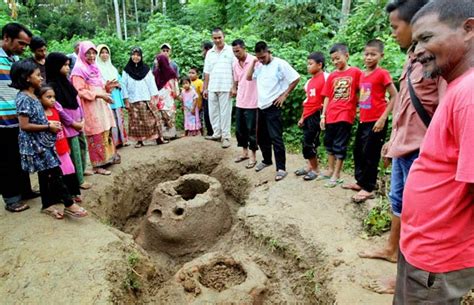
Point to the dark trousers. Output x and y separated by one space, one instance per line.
207 120
367 149
311 132
270 133
14 182
336 139
72 184
246 128
52 188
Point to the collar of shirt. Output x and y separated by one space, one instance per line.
10 58
214 50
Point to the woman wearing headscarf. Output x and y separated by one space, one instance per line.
72 116
110 73
139 89
167 83
98 118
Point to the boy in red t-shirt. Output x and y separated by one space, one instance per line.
339 111
311 116
372 129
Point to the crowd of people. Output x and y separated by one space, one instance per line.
57 109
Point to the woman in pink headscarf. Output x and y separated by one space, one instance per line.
98 118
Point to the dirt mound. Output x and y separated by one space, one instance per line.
222 275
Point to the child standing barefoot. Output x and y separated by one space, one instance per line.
37 139
192 123
52 110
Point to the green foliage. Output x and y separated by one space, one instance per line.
132 278
379 218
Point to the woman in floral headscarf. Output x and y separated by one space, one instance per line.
110 73
98 118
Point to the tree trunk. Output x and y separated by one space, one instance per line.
124 11
117 19
136 17
346 8
163 7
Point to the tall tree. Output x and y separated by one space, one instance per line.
345 10
124 11
117 19
136 17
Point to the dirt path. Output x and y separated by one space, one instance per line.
80 262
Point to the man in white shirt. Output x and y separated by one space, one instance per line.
218 83
275 81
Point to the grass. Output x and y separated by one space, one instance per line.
132 278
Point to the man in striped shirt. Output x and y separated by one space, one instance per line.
14 182
218 81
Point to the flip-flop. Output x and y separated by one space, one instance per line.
280 175
261 166
17 207
332 183
251 164
301 172
310 176
323 177
53 212
362 198
351 186
102 171
240 159
75 214
138 145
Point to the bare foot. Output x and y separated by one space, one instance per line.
382 286
379 254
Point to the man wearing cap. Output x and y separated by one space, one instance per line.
218 81
166 50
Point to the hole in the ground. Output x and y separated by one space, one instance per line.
190 188
178 211
221 276
157 213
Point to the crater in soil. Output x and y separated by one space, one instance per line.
192 243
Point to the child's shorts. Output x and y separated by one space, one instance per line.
337 138
311 132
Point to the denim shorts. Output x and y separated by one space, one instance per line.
400 169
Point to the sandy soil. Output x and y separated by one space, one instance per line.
44 261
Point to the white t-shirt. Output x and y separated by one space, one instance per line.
272 80
219 67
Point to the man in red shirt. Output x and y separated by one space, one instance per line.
436 263
311 116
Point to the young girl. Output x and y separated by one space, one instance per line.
37 139
52 109
189 97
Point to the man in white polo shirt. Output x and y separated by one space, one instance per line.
275 81
218 83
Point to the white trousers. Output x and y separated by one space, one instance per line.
220 113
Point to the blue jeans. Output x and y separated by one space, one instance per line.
400 169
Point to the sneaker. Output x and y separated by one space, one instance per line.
212 138
225 143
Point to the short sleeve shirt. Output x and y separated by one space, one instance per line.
272 80
341 88
437 232
219 67
372 102
313 89
246 90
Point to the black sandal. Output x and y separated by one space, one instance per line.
17 207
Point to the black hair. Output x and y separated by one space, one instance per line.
318 57
218 29
376 43
185 79
20 72
406 8
261 46
339 47
238 42
195 69
207 45
13 29
42 90
37 43
453 13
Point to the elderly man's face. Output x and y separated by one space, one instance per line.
439 47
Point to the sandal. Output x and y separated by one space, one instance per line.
311 175
351 186
85 185
251 164
102 171
261 166
17 207
75 214
301 172
332 183
88 172
138 145
357 198
161 141
323 177
117 160
77 199
280 175
240 159
53 212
